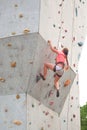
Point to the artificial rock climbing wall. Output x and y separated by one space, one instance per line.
25 27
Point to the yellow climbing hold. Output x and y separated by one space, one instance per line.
13 33
17 122
13 64
17 96
2 79
26 31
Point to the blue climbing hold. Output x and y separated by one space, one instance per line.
76 11
80 44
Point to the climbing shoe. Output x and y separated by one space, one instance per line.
42 76
57 93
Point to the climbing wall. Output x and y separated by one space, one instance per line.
13 112
25 27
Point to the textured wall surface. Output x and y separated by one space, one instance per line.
18 17
25 27
13 112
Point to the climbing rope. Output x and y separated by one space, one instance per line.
60 24
73 2
59 41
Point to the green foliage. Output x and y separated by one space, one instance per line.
83 117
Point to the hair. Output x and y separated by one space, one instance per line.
65 51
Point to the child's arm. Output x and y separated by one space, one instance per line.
52 48
67 67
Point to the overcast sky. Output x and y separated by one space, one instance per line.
83 75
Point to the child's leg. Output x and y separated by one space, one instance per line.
46 67
56 82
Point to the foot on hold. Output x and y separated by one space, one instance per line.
42 76
57 93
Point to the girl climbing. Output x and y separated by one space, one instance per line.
58 67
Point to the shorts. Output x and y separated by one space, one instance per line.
58 70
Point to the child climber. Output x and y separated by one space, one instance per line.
58 67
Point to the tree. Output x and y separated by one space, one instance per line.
83 117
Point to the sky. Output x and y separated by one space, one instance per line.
83 75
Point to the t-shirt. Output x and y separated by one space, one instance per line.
61 57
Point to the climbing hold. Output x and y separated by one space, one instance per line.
13 64
32 105
9 44
54 25
29 123
62 22
43 111
65 30
48 84
55 47
67 82
76 11
6 110
59 27
64 120
70 105
46 113
58 12
63 37
13 33
71 119
62 46
51 103
26 31
17 122
74 115
72 97
74 65
80 44
20 15
77 82
60 5
17 96
2 79
16 5
73 39
31 62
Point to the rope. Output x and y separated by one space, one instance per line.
60 24
71 60
58 43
